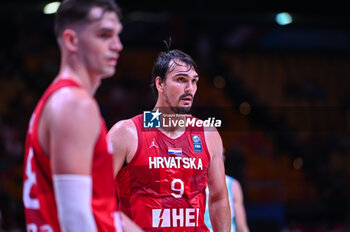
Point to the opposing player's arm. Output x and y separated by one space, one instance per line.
73 123
123 136
219 209
240 215
128 224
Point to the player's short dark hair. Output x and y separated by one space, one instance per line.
74 11
161 65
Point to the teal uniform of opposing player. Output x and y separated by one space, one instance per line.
229 182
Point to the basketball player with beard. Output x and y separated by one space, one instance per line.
162 173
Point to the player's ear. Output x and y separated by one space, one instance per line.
70 40
160 84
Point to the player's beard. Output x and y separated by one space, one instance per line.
179 109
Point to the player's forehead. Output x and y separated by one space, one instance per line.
178 67
101 18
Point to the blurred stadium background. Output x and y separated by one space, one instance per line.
282 92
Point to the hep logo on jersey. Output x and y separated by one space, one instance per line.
187 217
151 119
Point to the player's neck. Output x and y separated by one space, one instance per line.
80 75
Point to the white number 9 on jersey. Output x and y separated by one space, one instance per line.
177 188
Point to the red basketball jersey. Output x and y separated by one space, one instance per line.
163 186
38 193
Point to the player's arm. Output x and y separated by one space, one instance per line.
73 122
240 214
219 209
123 136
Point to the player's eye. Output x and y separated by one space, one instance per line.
105 35
180 79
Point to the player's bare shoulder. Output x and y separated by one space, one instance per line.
212 134
73 109
72 101
68 110
124 129
213 140
123 136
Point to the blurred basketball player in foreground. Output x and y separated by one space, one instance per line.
68 171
